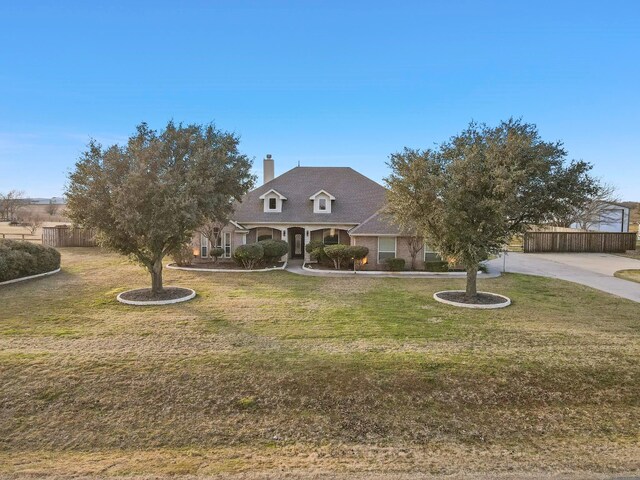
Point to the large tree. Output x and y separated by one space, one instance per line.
597 209
11 203
468 196
146 198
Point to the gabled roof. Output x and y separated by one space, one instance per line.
264 195
313 197
377 224
357 197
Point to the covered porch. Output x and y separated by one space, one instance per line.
298 236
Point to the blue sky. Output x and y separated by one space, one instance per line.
322 83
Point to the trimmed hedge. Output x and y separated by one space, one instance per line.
436 266
216 252
337 253
358 253
273 249
23 259
183 255
395 264
315 248
249 255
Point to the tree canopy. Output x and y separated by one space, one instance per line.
146 198
469 195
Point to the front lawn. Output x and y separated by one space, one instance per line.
271 371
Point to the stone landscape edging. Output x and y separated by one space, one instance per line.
473 305
21 279
173 266
156 302
384 273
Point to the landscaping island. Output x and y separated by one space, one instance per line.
483 300
631 275
145 296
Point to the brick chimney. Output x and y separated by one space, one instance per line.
268 169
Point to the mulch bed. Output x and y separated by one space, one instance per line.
481 299
145 294
317 266
226 265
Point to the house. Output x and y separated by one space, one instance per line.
329 204
604 217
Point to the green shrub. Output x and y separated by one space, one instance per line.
315 248
337 253
436 266
394 264
358 253
183 255
273 249
216 252
22 259
249 255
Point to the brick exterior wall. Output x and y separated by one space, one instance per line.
402 251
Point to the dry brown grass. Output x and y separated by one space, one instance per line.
16 232
632 275
264 374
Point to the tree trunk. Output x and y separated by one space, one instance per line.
471 293
156 277
413 260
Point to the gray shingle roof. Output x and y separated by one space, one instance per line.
357 197
377 224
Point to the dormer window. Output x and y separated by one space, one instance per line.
272 201
322 201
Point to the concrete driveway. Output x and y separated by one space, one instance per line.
592 269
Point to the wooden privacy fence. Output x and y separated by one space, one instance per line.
535 242
68 237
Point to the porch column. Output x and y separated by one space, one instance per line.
307 239
283 236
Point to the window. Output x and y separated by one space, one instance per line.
272 201
227 244
204 244
218 237
298 243
331 236
386 248
264 234
322 201
430 255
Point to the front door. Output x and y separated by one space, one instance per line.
296 242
